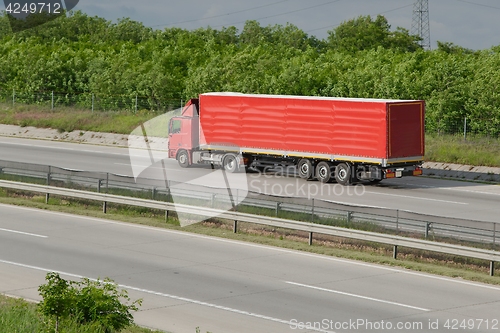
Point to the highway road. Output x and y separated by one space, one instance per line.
225 286
447 198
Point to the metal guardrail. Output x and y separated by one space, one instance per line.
311 228
391 220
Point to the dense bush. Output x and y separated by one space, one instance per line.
95 303
79 54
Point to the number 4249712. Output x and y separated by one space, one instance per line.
33 8
471 324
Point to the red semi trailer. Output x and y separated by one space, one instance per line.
342 139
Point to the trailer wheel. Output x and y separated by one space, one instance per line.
183 159
305 169
230 163
324 172
343 174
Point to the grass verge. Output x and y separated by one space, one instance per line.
20 316
454 149
66 119
417 260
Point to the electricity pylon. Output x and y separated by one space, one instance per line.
420 25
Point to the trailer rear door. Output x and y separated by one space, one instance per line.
406 130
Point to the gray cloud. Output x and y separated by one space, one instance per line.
472 24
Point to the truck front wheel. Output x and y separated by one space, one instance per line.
343 174
230 163
183 159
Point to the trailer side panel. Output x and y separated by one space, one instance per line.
331 126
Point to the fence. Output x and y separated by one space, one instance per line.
400 222
465 127
91 101
459 126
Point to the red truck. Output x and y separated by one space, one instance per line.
330 139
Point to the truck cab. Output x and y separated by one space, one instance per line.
183 134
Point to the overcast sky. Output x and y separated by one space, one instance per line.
473 24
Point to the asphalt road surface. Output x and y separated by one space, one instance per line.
447 198
224 286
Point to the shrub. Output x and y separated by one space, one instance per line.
87 302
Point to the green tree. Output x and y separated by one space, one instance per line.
58 296
483 100
452 48
5 29
364 33
101 302
253 34
129 31
401 40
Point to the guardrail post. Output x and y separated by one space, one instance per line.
494 232
349 217
104 207
397 220
492 268
278 205
153 193
312 210
47 195
168 195
98 186
236 201
428 226
235 226
395 252
166 215
310 238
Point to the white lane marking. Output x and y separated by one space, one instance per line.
356 296
418 198
61 148
224 308
468 191
179 298
23 233
145 166
82 150
455 189
259 246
